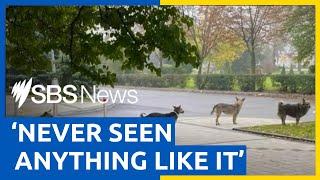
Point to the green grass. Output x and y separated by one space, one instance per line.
303 130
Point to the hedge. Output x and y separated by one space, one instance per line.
145 80
295 83
304 84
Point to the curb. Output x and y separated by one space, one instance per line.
88 110
279 136
257 94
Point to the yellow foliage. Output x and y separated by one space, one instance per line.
227 52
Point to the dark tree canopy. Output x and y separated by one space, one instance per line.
130 35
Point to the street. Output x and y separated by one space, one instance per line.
196 127
200 105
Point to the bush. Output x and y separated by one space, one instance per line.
215 82
190 83
246 83
304 84
295 83
145 80
312 69
283 70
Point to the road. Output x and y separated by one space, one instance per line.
266 156
199 105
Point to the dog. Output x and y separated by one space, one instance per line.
175 113
294 110
229 109
46 114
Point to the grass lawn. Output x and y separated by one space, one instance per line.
303 130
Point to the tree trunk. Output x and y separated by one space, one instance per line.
253 67
199 77
253 61
299 67
274 57
200 68
161 62
208 68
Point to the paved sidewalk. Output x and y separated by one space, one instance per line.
226 121
265 155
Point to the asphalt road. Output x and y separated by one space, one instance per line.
198 105
266 155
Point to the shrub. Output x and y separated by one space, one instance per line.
283 70
282 83
295 83
291 72
190 83
171 69
216 82
312 69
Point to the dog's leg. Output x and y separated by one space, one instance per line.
234 118
218 113
283 119
297 120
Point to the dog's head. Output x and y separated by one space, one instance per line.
239 101
178 109
305 104
47 114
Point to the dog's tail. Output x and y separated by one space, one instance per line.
214 107
143 114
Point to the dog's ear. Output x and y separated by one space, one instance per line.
303 101
174 106
180 106
237 98
243 99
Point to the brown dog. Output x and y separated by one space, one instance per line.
229 109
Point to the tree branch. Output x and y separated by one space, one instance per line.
72 25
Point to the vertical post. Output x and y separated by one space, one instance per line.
15 108
105 100
54 82
104 110
15 104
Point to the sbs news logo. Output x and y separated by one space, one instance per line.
53 94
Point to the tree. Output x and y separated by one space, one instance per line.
207 31
255 25
291 72
301 27
242 64
226 52
125 34
210 36
283 70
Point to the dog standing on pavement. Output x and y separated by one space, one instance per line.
175 113
294 110
229 109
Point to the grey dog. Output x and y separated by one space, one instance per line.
229 109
